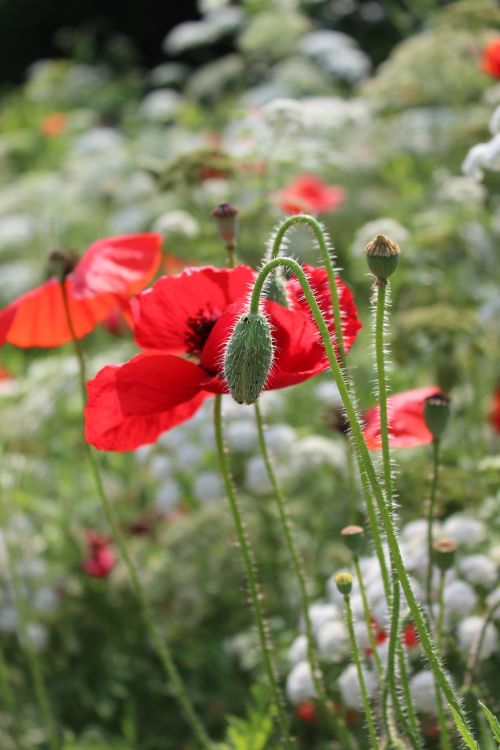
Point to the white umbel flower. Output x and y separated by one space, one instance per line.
298 650
333 641
469 632
299 684
350 690
463 530
167 496
423 692
479 570
459 599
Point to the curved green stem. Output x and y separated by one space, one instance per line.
298 568
430 522
319 234
368 622
176 682
251 575
362 685
365 465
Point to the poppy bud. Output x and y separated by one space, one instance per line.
382 255
344 583
248 357
61 263
353 536
443 553
275 290
226 220
436 413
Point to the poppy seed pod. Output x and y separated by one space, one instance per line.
248 357
443 553
436 413
353 536
382 255
344 583
226 219
275 290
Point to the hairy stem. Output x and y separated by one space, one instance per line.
164 653
430 522
414 727
251 575
368 622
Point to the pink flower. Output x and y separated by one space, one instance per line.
309 194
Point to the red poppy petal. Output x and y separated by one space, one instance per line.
131 404
117 265
177 313
407 428
38 317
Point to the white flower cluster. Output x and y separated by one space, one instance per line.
471 591
485 155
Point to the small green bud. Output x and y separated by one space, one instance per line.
226 219
248 357
436 413
353 536
443 553
382 255
275 290
344 583
61 263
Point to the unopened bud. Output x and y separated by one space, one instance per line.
61 263
443 553
382 255
248 357
344 583
436 413
353 536
275 290
226 219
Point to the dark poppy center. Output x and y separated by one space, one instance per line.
199 327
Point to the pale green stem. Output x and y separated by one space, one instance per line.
177 685
440 617
475 653
432 509
414 728
365 465
362 685
254 588
9 701
298 568
368 622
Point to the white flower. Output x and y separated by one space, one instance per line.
167 496
161 105
423 692
161 466
241 434
208 486
45 599
349 687
479 569
459 599
328 393
9 620
469 632
298 650
495 122
321 613
37 635
315 451
463 530
188 454
482 156
299 684
493 600
256 478
97 141
333 641
16 229
280 439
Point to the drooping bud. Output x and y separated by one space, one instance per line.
226 220
353 536
382 255
61 263
443 553
275 290
344 583
436 413
248 357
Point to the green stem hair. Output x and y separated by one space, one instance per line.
432 509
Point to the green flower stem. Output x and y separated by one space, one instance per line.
475 653
319 234
365 465
35 668
432 508
8 700
176 682
444 735
357 660
368 621
251 575
413 729
440 617
337 722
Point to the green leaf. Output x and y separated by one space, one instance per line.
492 721
464 732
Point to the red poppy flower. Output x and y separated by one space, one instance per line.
410 636
495 412
306 712
407 427
490 61
192 314
308 194
100 559
111 270
53 125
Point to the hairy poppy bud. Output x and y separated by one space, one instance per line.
62 262
436 413
226 219
382 255
344 583
275 290
353 536
248 357
443 553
